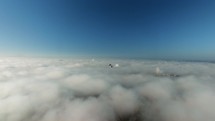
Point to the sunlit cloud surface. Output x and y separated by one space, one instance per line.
47 89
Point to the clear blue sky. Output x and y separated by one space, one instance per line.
162 29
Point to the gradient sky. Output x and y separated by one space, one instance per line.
161 29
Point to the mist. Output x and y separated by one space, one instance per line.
51 89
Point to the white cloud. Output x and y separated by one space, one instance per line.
35 89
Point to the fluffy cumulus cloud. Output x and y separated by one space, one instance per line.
47 89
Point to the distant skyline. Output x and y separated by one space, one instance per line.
155 29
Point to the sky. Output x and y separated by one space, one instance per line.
157 29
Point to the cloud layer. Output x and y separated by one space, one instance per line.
43 89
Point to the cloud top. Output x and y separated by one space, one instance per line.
38 89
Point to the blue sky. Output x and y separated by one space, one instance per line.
159 29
